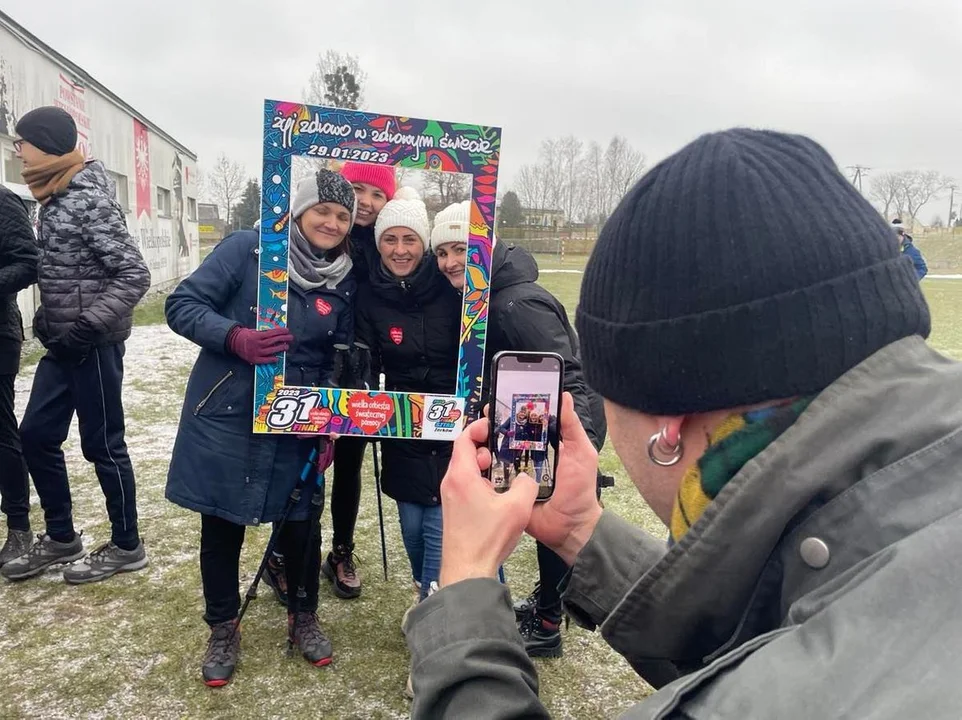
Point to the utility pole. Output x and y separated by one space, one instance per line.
951 204
857 172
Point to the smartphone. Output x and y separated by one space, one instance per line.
524 405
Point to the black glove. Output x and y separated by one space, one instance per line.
40 330
341 371
73 346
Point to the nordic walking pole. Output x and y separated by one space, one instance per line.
377 485
292 500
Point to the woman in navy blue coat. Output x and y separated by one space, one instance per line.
219 468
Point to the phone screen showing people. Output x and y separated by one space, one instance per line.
524 419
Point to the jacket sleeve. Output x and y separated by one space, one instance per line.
18 248
916 255
194 309
531 324
467 657
105 234
345 326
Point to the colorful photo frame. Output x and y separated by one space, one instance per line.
294 129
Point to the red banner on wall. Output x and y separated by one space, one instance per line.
142 166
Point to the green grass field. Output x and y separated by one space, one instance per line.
130 647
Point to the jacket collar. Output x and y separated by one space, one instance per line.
892 404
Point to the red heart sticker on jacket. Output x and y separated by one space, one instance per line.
320 417
370 413
397 335
323 307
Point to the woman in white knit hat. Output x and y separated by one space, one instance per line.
449 241
411 320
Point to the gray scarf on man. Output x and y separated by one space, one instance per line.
308 270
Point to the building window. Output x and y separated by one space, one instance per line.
191 209
12 167
163 202
123 195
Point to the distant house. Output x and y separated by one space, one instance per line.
543 218
209 223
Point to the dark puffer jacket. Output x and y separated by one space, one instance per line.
18 269
523 316
219 467
412 326
91 270
364 252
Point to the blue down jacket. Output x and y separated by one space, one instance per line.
219 467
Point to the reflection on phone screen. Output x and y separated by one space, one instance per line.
526 422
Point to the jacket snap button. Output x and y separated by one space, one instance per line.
814 553
229 407
434 452
330 332
256 520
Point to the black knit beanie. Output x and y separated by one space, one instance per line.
50 129
744 268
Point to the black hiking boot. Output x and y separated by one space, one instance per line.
105 562
275 577
223 649
340 569
526 606
43 554
17 544
304 632
542 638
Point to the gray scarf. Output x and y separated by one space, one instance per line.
311 272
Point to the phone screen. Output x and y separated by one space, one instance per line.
524 419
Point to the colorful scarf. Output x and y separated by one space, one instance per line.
738 439
52 176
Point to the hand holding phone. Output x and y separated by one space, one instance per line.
524 432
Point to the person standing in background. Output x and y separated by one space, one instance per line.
18 270
91 275
907 245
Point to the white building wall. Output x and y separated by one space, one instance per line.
32 75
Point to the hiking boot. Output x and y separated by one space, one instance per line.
104 562
275 577
414 604
43 554
304 632
340 569
17 544
542 638
223 649
527 606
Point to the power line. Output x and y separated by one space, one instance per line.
858 172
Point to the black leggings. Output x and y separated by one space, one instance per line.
220 547
346 489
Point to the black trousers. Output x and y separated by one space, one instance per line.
14 485
92 389
346 489
220 548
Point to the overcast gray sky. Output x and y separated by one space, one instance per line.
876 81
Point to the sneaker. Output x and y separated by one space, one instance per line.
104 562
17 544
43 554
542 638
414 604
409 689
527 606
223 650
275 577
304 632
340 569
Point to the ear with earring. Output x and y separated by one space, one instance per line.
664 453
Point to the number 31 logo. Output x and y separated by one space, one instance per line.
443 411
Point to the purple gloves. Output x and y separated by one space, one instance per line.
258 347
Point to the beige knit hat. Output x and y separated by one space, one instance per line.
452 225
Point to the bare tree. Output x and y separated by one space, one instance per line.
623 166
570 186
337 81
444 188
884 190
595 181
224 184
917 187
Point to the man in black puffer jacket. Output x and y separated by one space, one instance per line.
91 276
18 269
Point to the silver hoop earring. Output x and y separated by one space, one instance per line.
661 453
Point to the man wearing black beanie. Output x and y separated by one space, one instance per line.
91 275
771 394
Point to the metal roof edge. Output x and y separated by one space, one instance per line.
79 73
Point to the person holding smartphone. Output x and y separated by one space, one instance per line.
411 320
221 470
523 316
